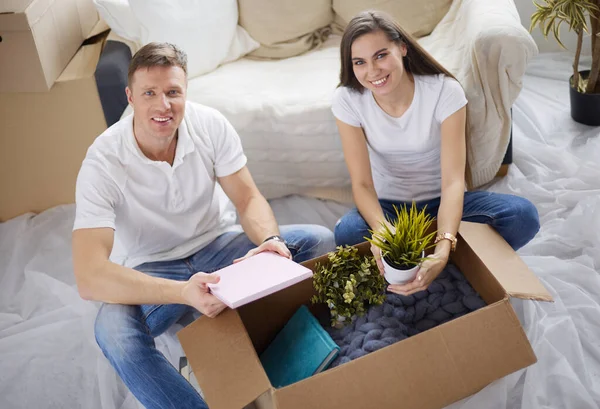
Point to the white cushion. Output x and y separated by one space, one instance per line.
117 14
205 29
419 18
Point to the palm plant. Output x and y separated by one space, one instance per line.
404 239
575 13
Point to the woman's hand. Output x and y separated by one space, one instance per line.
432 267
269 245
377 256
376 251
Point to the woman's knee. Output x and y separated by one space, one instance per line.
527 221
351 229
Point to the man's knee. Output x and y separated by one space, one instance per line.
350 229
114 333
325 240
310 241
319 241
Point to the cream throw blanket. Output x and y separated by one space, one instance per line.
483 43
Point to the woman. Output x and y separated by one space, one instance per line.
402 119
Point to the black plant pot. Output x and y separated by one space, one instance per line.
585 108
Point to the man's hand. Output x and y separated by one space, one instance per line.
269 245
432 266
197 294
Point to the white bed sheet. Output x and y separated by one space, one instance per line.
49 359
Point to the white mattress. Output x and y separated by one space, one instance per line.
49 359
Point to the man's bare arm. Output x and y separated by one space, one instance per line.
99 279
256 216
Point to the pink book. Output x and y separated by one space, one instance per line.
256 277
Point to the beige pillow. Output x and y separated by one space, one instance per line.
418 17
285 28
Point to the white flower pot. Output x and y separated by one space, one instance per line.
396 276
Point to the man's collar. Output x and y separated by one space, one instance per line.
184 146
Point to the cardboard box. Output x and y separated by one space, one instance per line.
39 38
429 370
44 136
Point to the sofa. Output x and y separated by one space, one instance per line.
275 82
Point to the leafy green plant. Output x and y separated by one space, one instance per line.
402 240
347 283
575 13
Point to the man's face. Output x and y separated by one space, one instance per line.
157 95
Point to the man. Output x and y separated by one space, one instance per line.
159 186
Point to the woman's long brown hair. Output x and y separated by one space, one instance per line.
417 61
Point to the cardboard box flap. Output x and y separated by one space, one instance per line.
23 14
13 22
503 262
98 28
83 64
224 361
14 6
19 15
88 16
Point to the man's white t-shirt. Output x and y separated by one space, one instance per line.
405 151
158 211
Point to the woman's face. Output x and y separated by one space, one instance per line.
377 62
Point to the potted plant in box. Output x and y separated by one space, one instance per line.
347 283
584 85
403 243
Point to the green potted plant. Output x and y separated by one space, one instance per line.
584 85
403 242
347 283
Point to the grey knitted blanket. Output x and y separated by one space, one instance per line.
448 297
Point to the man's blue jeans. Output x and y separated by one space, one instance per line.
514 218
126 333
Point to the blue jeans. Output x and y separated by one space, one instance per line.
125 333
514 218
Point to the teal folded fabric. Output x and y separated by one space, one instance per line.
301 349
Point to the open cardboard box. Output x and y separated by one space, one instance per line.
430 370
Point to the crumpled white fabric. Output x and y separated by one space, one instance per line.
49 358
484 44
557 168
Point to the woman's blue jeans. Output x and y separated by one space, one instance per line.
126 333
514 218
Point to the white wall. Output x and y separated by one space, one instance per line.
526 8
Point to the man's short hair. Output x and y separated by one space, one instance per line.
157 55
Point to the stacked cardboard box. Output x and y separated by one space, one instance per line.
50 110
427 371
39 38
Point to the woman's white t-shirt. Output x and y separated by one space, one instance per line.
405 151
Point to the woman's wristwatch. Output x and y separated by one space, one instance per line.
276 237
447 236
